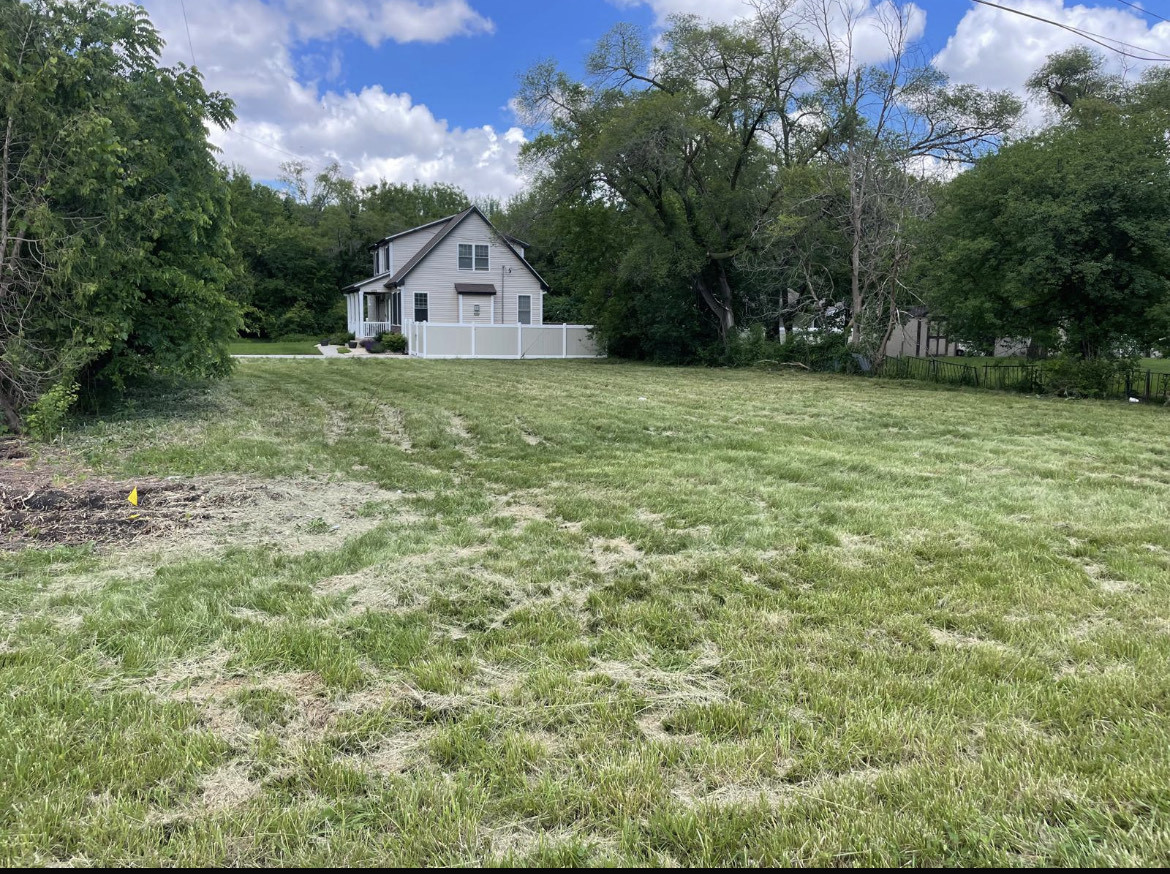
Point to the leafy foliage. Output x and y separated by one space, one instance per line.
116 257
1063 237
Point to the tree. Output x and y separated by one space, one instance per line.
1063 237
889 121
114 255
687 137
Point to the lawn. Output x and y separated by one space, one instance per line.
588 612
246 346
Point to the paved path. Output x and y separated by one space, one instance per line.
329 352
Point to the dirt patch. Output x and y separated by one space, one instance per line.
609 554
38 509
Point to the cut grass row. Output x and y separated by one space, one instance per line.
621 614
246 346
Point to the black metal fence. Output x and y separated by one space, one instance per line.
1144 385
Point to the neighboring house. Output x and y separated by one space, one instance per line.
920 336
453 286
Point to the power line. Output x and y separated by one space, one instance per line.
1143 11
235 130
1098 38
190 45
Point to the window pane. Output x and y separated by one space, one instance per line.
481 257
420 306
464 256
524 309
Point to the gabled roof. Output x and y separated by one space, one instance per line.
356 285
444 227
435 223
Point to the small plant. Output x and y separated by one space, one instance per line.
375 348
342 350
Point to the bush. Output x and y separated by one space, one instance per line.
1073 377
376 348
297 320
751 348
46 417
394 342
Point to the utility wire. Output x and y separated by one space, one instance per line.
1100 39
186 24
1142 10
234 130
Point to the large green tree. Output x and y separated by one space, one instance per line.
115 259
688 136
1064 237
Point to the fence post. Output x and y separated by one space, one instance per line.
473 339
564 339
519 341
424 324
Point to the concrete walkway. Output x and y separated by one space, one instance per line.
331 352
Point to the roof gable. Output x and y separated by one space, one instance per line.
443 230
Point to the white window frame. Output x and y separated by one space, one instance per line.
487 256
414 310
459 256
519 298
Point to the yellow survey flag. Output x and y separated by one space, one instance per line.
133 497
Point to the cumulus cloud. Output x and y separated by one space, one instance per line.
287 109
997 49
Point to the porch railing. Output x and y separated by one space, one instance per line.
375 329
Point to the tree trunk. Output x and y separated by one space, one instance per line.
11 417
855 282
719 304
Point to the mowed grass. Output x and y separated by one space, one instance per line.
620 614
246 346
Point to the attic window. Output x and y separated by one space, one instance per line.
481 257
465 256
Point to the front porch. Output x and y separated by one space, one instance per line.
369 314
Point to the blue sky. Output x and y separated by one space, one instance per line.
419 89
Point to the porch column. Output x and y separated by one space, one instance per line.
361 332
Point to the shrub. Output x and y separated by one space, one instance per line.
46 417
298 319
1073 377
375 348
394 342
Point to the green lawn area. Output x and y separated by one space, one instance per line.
246 346
593 612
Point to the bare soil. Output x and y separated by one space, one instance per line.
44 507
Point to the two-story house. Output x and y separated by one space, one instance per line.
457 270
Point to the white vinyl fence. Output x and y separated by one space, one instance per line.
447 340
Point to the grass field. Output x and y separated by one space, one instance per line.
245 346
584 613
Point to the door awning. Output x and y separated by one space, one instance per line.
474 288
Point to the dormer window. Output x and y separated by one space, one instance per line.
473 257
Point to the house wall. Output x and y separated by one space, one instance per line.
439 271
918 337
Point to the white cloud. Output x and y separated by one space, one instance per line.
248 49
997 49
376 21
869 18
